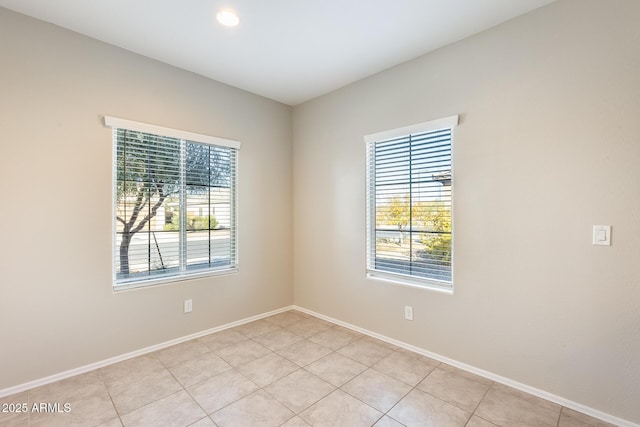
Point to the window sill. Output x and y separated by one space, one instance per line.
141 284
412 282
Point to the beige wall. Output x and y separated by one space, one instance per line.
548 146
57 309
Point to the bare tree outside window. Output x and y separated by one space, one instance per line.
163 175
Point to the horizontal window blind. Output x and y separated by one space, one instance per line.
409 206
175 213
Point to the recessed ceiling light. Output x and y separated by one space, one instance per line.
227 18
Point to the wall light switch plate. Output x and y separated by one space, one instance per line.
602 235
408 312
188 306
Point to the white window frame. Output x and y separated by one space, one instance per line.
183 136
402 279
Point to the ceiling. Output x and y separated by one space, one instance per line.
287 50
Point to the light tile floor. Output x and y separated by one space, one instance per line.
289 370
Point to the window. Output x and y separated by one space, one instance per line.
409 188
174 204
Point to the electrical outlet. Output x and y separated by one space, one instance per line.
188 305
408 312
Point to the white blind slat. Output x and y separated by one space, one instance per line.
409 199
174 206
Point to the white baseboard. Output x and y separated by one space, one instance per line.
92 366
486 374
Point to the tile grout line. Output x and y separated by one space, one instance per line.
407 393
184 388
278 327
497 379
233 368
414 387
356 337
297 414
371 367
560 416
104 384
479 403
